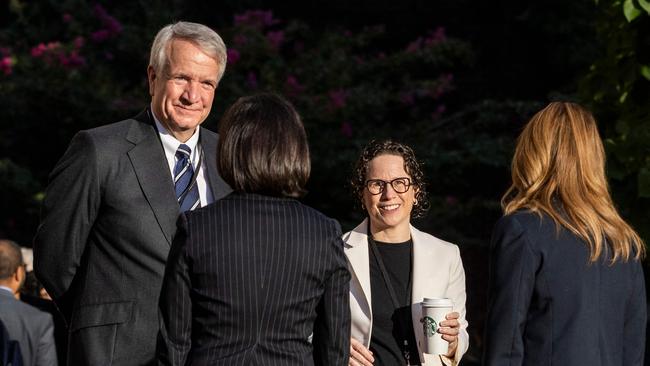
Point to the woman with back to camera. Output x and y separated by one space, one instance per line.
394 265
257 278
566 283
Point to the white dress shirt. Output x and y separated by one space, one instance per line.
170 145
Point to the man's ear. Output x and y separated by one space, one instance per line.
151 77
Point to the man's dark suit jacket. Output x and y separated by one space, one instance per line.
108 220
549 306
32 328
256 280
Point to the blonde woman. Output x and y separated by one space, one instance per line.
566 283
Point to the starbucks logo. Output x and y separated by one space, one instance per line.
429 326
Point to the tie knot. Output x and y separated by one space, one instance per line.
183 151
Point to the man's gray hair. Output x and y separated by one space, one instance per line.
10 258
207 39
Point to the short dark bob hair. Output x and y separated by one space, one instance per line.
263 147
411 165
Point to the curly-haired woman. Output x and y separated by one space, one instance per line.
394 265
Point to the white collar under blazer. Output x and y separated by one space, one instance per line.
437 272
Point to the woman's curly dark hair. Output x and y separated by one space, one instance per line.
412 166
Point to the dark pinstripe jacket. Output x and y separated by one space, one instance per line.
255 280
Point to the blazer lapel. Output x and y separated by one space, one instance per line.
423 266
422 262
151 169
356 249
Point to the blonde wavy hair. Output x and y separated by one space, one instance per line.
559 169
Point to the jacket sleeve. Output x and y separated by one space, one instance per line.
175 305
511 282
456 292
72 201
634 328
331 339
46 352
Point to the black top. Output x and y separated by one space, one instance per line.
391 327
549 306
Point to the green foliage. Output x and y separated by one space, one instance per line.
617 88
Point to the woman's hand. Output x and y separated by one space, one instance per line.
359 354
449 329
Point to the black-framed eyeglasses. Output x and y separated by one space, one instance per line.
377 186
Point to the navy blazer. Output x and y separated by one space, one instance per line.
549 306
255 280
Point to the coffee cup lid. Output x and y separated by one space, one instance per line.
437 302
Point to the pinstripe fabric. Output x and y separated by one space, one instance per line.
249 281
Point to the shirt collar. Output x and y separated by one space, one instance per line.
169 141
7 289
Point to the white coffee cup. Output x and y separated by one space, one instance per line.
434 311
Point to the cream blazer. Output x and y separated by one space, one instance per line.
437 272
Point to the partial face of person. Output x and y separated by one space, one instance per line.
389 209
182 94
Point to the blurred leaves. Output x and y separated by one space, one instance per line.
617 88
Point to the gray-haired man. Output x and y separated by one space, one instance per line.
110 209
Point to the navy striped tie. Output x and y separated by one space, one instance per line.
188 197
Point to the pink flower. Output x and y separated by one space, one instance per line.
67 18
100 35
346 129
112 26
100 11
233 56
240 40
71 61
6 65
436 37
414 46
257 19
293 85
338 98
251 80
275 39
38 50
79 42
51 46
438 112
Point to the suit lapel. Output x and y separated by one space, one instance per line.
356 249
151 169
422 263
423 266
